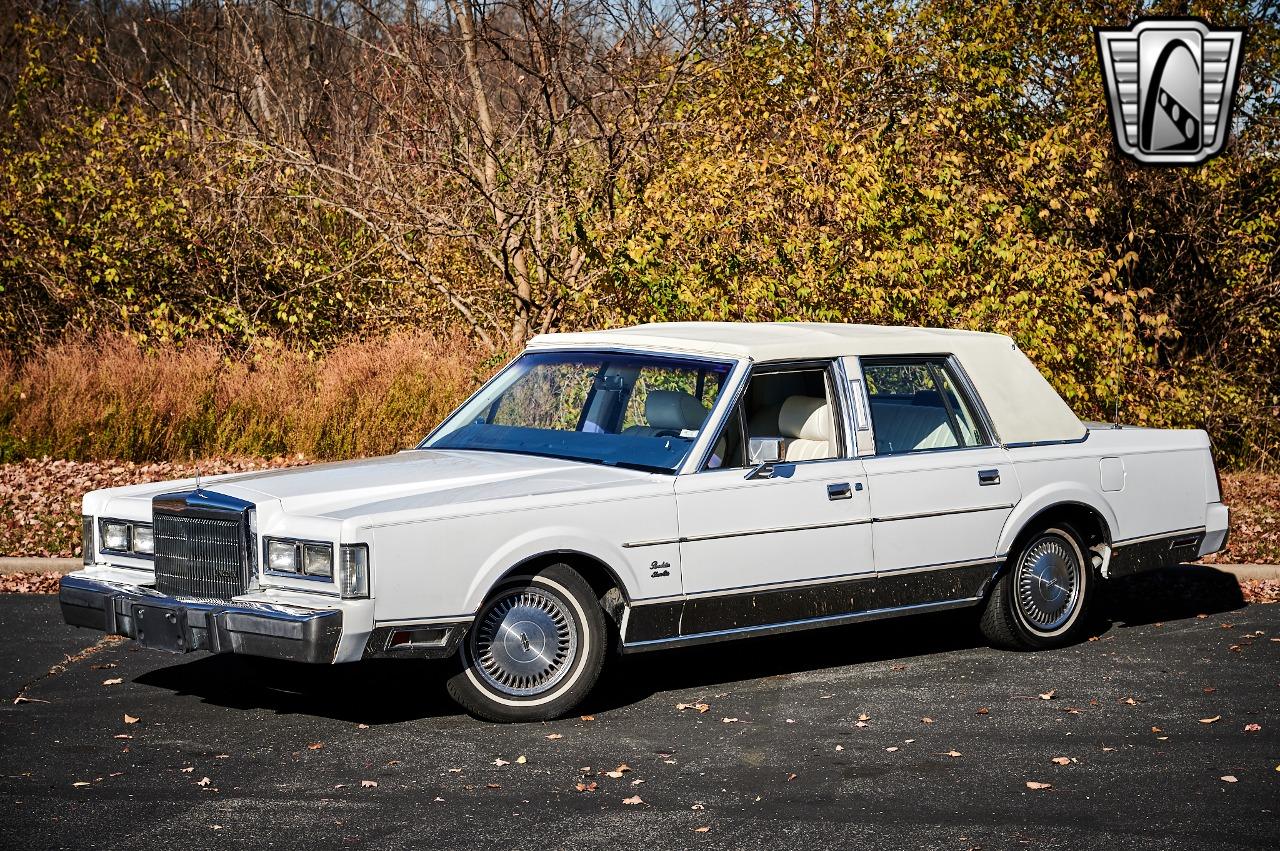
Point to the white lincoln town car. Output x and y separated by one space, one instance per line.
661 486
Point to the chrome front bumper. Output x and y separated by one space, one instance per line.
180 625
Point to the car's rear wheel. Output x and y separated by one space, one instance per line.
534 650
1041 599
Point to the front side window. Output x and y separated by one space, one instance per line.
637 411
916 406
791 409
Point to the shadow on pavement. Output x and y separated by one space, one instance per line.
389 691
1180 591
377 691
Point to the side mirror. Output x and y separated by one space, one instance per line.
765 455
764 450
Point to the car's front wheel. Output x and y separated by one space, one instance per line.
1041 598
535 649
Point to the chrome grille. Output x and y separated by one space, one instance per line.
201 556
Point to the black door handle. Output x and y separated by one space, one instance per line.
988 477
840 491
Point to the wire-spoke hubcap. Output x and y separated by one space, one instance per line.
1048 583
524 642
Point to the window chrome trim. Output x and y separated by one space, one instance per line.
1026 444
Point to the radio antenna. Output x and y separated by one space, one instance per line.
1115 420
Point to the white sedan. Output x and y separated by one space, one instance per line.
662 486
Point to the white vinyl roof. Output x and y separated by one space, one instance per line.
1022 404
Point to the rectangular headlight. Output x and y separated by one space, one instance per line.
115 536
317 560
282 556
355 571
143 541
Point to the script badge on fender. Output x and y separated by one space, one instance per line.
1170 84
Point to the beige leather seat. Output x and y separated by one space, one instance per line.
669 411
902 428
806 423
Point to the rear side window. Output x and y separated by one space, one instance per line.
917 405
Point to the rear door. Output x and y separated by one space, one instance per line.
940 486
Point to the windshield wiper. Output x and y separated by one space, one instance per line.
629 465
636 465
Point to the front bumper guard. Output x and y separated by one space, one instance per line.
180 625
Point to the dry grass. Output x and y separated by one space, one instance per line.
109 399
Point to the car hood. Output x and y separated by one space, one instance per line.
419 480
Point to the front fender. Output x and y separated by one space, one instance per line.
543 541
1049 496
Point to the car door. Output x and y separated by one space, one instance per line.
940 486
763 544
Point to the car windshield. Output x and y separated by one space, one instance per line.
626 410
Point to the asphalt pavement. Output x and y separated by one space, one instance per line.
906 733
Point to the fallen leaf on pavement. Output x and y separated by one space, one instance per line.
891 749
1228 778
864 717
618 772
1252 728
1130 701
952 754
501 761
927 720
1048 695
1032 784
368 784
129 719
1062 760
1208 689
315 746
588 717
633 800
80 783
114 681
122 736
701 707
982 710
521 760
203 781
587 787
729 720
188 769
701 829
791 776
554 736
1210 720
